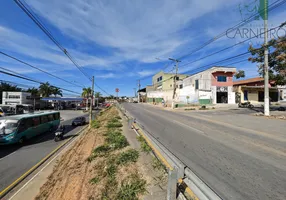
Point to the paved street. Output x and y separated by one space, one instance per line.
16 160
238 155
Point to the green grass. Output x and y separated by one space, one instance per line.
111 170
128 156
144 146
95 124
99 151
114 124
131 188
94 180
116 140
157 164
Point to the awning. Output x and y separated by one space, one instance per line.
62 99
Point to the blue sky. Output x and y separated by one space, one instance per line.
118 41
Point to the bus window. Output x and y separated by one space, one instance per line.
25 124
51 117
36 121
44 119
56 116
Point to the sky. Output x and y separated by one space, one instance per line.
122 41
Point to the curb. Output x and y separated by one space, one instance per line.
32 169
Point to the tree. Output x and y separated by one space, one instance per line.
86 93
45 89
187 97
5 87
277 59
57 91
97 95
239 74
34 91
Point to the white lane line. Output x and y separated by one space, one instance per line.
41 170
8 155
188 126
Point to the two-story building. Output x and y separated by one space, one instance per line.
163 87
212 86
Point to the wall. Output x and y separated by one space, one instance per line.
229 79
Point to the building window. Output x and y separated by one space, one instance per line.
197 84
181 86
221 78
159 79
14 97
245 95
177 78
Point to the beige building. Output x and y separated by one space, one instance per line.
163 87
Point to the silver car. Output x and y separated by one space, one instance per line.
79 121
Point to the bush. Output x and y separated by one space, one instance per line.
130 155
131 188
144 146
113 124
94 180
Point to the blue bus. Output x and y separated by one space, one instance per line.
20 128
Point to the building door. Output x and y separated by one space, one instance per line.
222 95
260 96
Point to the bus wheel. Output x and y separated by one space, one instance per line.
22 140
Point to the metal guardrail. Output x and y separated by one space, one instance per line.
178 172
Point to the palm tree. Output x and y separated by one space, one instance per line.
45 89
57 91
86 93
34 93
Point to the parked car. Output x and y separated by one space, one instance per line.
79 121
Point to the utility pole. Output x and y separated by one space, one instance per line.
91 102
266 74
175 81
135 92
139 91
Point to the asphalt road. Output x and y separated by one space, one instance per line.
238 156
16 160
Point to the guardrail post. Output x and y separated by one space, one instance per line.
172 184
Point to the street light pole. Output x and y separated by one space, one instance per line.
175 81
266 74
139 91
91 102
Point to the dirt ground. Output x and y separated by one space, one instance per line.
75 177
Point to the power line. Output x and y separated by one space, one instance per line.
35 81
209 55
14 58
251 18
44 29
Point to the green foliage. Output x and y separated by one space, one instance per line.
95 124
277 57
99 151
128 156
157 164
94 180
131 188
239 74
144 146
113 124
111 170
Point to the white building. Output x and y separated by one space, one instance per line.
13 98
211 86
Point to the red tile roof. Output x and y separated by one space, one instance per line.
251 80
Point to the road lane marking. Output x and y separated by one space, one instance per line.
23 176
8 155
188 126
41 170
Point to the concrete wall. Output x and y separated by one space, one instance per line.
229 80
6 98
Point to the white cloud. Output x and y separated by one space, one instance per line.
104 76
141 30
146 73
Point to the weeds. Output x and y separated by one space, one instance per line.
114 124
156 163
116 140
111 170
144 146
99 151
128 156
94 180
131 188
95 124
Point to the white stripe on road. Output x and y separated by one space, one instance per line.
188 126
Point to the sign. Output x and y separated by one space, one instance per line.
221 89
116 90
